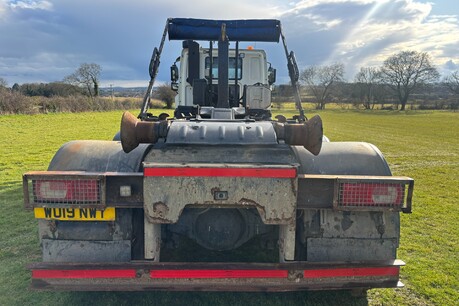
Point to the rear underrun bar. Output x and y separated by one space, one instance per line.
140 276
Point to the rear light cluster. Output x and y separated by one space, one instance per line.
371 194
66 191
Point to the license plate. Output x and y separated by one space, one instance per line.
75 214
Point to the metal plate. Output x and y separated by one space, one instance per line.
72 251
75 214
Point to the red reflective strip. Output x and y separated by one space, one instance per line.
83 273
344 272
218 274
222 172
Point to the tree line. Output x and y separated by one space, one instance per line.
77 92
401 76
84 81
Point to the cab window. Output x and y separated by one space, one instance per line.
231 68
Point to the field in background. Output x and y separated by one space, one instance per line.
16 103
422 145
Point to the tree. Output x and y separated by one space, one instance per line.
87 75
3 83
283 92
407 71
48 89
165 93
320 81
452 82
366 81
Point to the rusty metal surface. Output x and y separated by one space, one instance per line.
295 279
148 265
133 132
86 251
249 285
308 134
261 155
94 241
359 224
338 249
274 198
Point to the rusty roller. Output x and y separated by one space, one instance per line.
133 131
308 134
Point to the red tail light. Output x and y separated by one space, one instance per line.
371 194
66 191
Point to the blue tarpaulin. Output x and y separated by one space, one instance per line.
267 30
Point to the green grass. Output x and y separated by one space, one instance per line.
422 145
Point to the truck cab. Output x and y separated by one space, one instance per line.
197 80
249 85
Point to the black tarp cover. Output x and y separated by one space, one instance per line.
267 30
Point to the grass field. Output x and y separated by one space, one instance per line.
422 145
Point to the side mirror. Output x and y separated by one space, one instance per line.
174 86
271 75
174 73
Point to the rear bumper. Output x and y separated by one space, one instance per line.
148 276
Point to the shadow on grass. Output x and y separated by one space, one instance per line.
216 298
11 205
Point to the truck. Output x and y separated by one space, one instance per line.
220 196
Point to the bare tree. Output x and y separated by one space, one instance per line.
87 75
320 81
366 81
452 82
406 71
165 93
3 83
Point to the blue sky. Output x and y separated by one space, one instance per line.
43 41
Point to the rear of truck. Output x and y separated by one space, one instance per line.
220 197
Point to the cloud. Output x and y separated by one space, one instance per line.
44 41
32 5
451 65
119 36
370 31
3 8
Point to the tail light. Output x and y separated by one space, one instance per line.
68 191
371 194
374 193
64 189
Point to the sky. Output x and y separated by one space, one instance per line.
46 40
